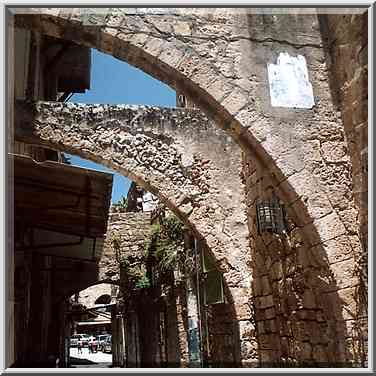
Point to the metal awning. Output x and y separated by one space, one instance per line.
81 323
60 197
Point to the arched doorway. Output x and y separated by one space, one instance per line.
91 321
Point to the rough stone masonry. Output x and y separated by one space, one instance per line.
218 58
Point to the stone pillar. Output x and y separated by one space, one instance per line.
10 356
176 333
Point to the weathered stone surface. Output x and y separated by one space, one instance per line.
218 58
348 38
132 230
89 296
226 57
149 144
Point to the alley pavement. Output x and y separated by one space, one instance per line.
85 359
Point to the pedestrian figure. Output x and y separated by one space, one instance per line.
79 347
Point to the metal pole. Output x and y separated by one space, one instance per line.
197 266
123 323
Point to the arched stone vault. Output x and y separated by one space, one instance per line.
178 154
218 58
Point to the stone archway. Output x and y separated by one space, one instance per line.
165 151
218 58
292 147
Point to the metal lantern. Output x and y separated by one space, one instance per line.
270 216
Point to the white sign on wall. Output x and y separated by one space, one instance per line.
289 83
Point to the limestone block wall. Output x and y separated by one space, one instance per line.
218 58
305 293
133 230
346 38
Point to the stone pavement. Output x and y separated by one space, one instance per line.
89 360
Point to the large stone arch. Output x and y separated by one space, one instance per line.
218 58
177 154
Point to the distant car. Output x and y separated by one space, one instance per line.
107 346
83 338
101 339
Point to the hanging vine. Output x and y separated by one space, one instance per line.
166 243
134 274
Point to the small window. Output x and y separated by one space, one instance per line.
212 280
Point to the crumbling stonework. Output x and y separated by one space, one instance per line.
218 59
303 281
137 141
89 296
133 230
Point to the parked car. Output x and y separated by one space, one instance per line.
101 339
84 338
107 346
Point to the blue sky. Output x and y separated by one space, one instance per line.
114 81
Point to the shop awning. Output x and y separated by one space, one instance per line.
59 197
82 323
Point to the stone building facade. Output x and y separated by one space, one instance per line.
213 165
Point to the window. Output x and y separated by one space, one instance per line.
212 280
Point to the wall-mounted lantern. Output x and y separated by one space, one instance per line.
271 216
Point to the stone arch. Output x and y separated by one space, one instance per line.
178 167
95 292
84 285
163 150
277 139
194 51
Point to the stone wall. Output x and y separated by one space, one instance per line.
305 307
346 38
133 230
218 58
89 296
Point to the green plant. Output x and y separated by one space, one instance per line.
143 282
122 204
115 243
134 274
166 243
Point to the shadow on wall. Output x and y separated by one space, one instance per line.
224 343
301 302
345 38
306 296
